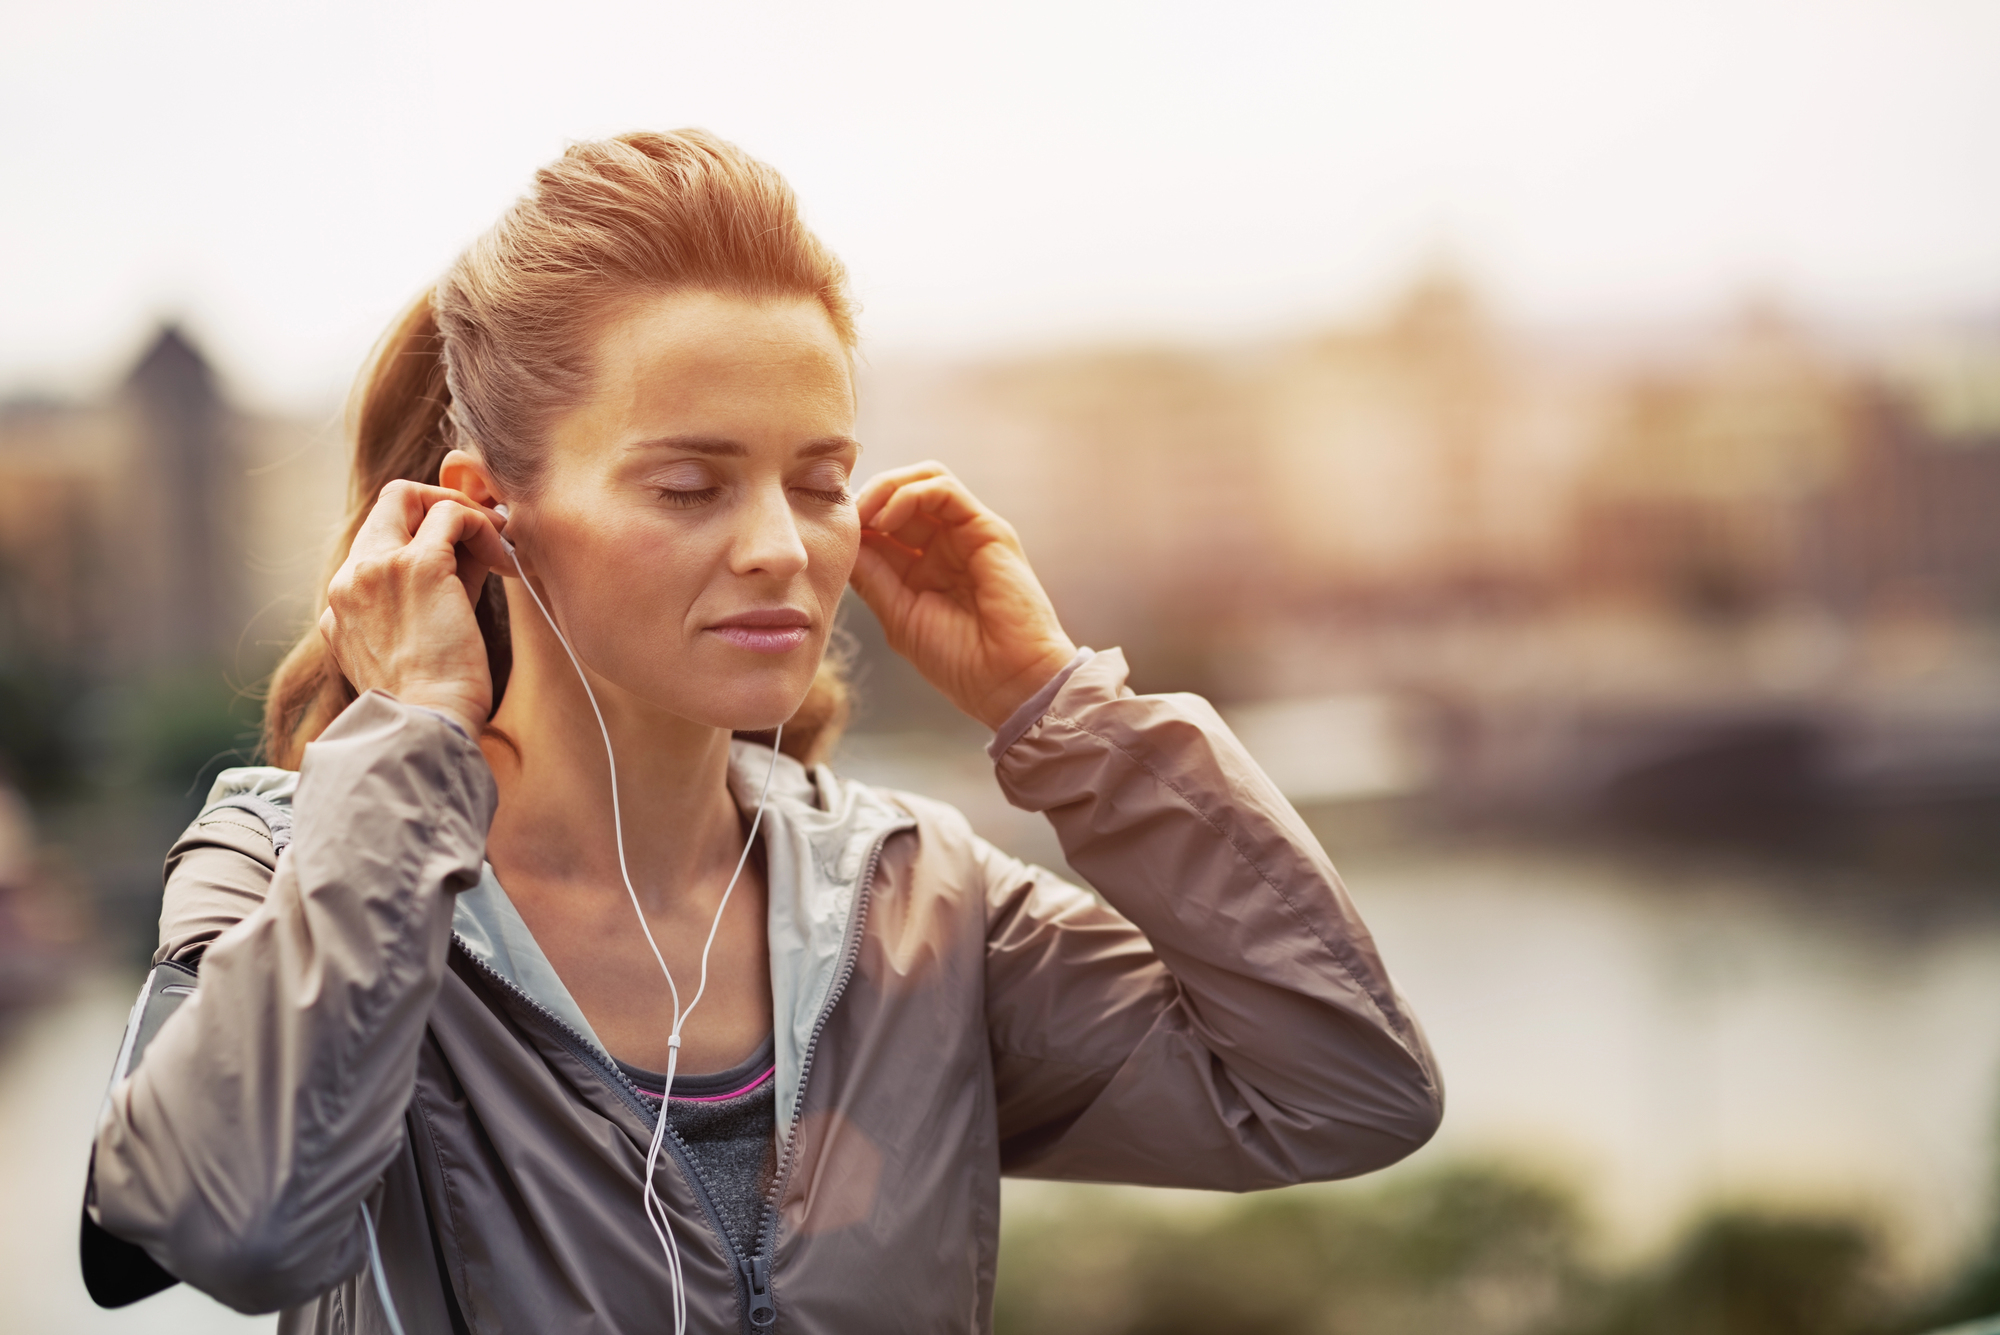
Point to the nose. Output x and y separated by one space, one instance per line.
767 540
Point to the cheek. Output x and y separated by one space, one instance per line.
629 588
832 547
663 568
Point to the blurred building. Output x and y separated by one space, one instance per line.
1771 473
1132 475
1172 498
149 529
1426 455
1749 575
1429 459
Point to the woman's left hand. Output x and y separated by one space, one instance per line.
953 590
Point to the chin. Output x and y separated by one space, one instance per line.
748 706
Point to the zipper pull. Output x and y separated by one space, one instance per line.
757 1275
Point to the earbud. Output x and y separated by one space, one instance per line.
501 510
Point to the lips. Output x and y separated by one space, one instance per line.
774 630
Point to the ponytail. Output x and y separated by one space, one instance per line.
399 413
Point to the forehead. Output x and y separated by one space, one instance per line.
708 363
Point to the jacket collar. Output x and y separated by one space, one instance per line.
820 833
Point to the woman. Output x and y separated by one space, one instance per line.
622 427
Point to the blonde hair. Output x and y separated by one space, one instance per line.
501 346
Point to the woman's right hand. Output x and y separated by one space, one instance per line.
399 615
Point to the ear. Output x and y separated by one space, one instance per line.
465 472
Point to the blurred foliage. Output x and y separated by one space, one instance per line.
39 747
67 733
1741 1273
1976 1295
1466 1251
1976 1291
178 729
1463 1251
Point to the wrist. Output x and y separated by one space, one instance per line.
456 710
1001 702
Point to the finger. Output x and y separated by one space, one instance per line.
463 540
880 487
876 578
431 497
472 573
875 489
899 555
460 523
429 493
444 534
914 535
482 539
942 499
393 520
401 505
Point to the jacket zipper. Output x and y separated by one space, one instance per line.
757 1269
754 1283
757 1282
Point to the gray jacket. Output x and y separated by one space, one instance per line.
374 1022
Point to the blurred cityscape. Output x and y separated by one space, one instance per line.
1743 582
1646 688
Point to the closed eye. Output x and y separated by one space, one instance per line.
687 499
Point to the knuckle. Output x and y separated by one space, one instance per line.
371 573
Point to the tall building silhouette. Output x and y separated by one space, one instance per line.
180 508
146 530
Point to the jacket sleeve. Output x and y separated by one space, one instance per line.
1223 1019
269 1105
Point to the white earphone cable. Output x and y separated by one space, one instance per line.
375 1268
655 1207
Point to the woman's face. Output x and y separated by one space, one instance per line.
693 531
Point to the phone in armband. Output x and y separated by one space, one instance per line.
116 1272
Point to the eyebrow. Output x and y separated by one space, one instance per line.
722 447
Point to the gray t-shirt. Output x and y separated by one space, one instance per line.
728 1120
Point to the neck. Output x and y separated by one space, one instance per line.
555 816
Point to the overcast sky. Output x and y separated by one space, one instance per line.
288 175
